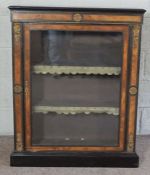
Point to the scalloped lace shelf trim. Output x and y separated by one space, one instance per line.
76 110
43 69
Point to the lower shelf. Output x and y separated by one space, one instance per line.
74 159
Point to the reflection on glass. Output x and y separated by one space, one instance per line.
76 48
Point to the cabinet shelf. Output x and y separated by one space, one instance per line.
76 110
73 70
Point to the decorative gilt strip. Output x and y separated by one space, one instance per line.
19 145
76 110
130 143
136 31
43 69
26 88
17 31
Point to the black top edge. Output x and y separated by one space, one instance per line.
38 8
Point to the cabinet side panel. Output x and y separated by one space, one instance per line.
134 69
18 88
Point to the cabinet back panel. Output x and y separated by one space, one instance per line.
75 130
76 90
76 48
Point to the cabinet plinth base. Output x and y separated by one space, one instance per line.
74 159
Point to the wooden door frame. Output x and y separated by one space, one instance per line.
27 82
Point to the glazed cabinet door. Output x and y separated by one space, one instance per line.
75 86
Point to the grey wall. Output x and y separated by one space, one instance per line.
144 84
6 112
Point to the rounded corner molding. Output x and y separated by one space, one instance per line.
77 17
133 90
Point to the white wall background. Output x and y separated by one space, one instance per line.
6 111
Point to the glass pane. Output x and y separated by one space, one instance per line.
75 130
75 87
76 48
75 90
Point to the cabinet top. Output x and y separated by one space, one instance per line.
111 10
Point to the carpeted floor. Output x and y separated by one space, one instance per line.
143 150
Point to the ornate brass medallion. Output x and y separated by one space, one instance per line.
77 17
17 89
133 90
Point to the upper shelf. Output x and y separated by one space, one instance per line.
73 70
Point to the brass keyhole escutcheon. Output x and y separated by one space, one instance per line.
133 90
77 17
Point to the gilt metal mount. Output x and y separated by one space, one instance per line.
17 31
19 145
133 90
77 17
130 146
17 89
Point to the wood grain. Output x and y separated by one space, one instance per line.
76 27
68 17
124 83
72 148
